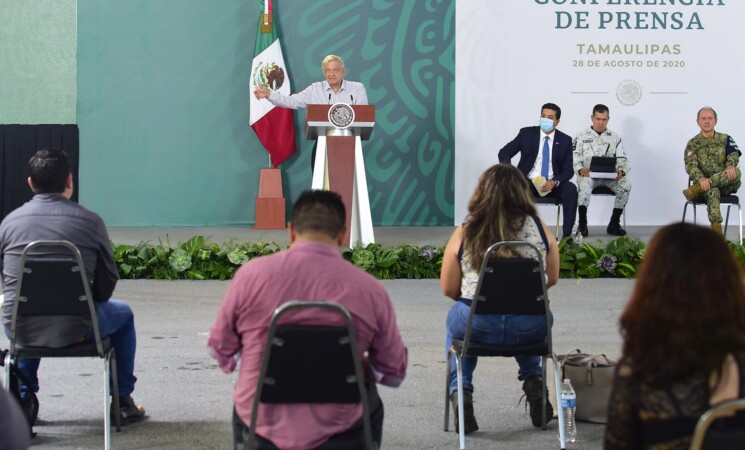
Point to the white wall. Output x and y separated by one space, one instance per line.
511 58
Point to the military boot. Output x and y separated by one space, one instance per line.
717 227
582 224
614 227
693 192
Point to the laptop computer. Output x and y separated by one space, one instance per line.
603 167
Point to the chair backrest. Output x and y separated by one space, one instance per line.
52 287
510 286
707 438
311 364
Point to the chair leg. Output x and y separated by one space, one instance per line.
726 221
115 387
461 418
447 391
739 212
107 402
544 397
6 375
557 389
558 219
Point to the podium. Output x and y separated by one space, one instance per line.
339 165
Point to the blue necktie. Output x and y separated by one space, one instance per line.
546 159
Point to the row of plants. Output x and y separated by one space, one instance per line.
200 259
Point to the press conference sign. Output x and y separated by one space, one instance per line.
609 14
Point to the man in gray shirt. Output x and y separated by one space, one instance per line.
50 215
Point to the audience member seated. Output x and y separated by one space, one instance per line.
500 209
546 155
50 215
711 160
684 345
311 269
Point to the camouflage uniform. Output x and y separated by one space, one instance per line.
589 143
707 157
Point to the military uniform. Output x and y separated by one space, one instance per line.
707 158
589 143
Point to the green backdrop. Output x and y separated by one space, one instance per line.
163 96
37 62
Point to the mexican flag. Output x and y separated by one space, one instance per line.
273 125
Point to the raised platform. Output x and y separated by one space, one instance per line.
385 236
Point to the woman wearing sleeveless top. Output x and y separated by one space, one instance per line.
684 340
500 209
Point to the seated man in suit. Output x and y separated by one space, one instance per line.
311 269
546 151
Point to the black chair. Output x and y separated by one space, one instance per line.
705 437
605 191
550 201
728 200
507 286
311 364
53 290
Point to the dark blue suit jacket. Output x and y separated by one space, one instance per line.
526 143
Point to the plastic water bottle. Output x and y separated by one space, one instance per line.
569 405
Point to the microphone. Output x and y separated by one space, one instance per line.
329 97
352 97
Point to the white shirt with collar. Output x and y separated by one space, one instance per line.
536 170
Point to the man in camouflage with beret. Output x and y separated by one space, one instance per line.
598 140
711 162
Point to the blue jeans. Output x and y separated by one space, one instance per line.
115 321
494 329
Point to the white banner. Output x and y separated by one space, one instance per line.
654 63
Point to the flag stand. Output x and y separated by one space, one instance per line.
270 203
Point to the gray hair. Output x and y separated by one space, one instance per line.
331 58
706 108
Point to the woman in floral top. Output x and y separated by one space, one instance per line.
500 209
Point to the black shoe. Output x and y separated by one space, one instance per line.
582 229
128 411
569 240
532 388
468 416
615 229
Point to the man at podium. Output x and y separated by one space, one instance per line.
333 89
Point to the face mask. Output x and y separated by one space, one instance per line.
546 124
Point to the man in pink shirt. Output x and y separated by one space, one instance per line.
312 269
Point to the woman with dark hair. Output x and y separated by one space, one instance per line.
500 209
684 340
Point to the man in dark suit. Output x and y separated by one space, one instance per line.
537 146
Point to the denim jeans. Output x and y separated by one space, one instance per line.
115 321
494 329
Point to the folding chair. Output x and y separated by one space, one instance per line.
311 364
550 201
706 439
53 288
507 286
728 200
605 191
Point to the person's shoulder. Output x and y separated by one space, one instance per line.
528 131
609 132
78 210
560 135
